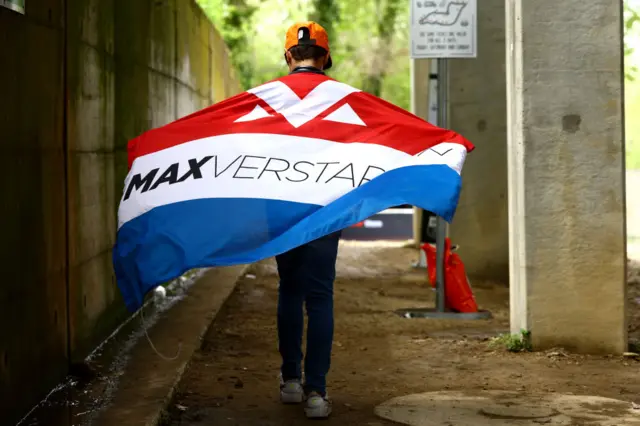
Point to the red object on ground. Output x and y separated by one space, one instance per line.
458 294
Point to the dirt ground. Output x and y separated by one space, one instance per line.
378 354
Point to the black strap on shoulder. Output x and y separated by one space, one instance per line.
307 69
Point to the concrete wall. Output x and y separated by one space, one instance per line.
33 327
419 106
566 173
130 66
477 94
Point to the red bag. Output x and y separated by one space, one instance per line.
458 294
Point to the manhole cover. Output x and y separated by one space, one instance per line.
518 412
492 408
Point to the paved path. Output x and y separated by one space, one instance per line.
378 355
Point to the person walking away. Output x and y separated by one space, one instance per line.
307 272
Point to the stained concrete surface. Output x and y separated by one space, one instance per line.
566 198
162 71
148 380
33 306
478 110
70 111
125 381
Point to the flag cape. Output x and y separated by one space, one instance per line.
270 169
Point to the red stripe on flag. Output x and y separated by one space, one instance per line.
386 124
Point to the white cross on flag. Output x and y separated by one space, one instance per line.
271 169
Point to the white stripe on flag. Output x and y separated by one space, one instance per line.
268 166
298 111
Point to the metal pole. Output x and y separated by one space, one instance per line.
441 225
441 228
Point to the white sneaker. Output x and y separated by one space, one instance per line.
291 391
317 406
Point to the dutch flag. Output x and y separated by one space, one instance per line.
270 169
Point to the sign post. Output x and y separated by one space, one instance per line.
443 29
441 225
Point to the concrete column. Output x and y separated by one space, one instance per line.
420 107
477 110
566 173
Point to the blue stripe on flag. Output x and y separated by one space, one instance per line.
167 241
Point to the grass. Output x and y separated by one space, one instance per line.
520 342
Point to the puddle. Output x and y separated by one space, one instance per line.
91 386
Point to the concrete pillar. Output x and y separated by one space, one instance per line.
477 110
566 173
420 107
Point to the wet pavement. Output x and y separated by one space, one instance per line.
90 387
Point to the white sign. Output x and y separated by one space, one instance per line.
443 29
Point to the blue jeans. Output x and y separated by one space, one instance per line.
306 277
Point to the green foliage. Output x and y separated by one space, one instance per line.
369 40
387 13
631 18
327 13
233 18
370 48
513 342
632 125
632 84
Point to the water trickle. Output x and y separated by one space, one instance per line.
91 386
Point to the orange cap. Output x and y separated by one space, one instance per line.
308 33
